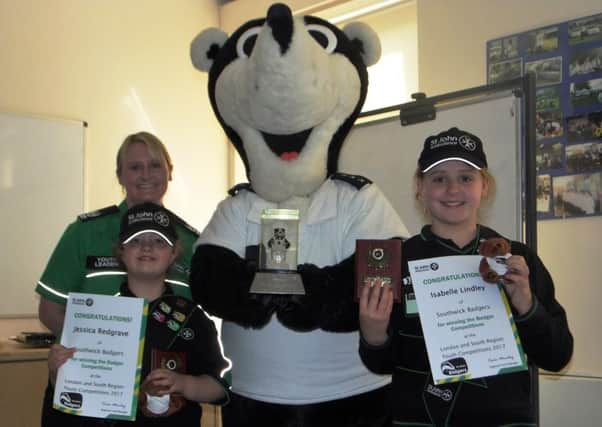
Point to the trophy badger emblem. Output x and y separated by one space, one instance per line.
278 245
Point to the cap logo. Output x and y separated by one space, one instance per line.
162 219
444 140
464 141
147 218
453 144
139 216
467 143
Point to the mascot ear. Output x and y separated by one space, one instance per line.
205 47
367 39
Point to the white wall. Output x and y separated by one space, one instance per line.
234 13
395 76
121 66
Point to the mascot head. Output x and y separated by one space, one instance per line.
287 90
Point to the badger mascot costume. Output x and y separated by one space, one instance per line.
287 90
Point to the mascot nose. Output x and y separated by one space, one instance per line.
280 20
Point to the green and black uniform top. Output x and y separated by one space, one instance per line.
503 400
83 260
179 336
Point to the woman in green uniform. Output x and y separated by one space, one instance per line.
83 259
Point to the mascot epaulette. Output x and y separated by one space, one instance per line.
357 181
184 224
98 213
238 187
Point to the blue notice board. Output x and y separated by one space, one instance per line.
567 61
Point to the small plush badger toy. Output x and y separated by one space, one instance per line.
495 252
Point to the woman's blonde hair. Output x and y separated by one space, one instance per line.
486 201
155 147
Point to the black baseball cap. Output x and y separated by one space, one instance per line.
147 218
452 144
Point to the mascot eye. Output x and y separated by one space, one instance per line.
246 42
324 36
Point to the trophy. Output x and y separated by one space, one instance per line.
277 263
378 259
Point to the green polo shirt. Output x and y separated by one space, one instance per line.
83 260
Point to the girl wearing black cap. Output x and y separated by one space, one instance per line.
182 361
451 183
83 260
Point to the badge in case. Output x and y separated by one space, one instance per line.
378 259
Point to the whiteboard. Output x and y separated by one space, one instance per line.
41 190
387 153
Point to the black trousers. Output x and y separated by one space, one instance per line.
364 410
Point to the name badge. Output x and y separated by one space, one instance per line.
411 308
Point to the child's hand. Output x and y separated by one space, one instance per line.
376 303
57 356
201 388
159 383
163 381
516 284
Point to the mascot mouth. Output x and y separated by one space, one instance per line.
287 147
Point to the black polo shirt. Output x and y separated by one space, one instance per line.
180 337
501 400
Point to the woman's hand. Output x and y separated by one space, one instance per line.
516 284
57 356
376 303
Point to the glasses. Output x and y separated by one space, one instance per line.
152 242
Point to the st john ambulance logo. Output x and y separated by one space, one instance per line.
467 143
187 334
162 219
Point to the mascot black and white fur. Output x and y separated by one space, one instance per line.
287 90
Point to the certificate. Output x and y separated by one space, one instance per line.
102 378
468 327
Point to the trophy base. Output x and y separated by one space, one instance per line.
277 283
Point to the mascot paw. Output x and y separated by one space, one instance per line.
271 302
299 313
302 312
330 296
314 279
495 252
257 312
